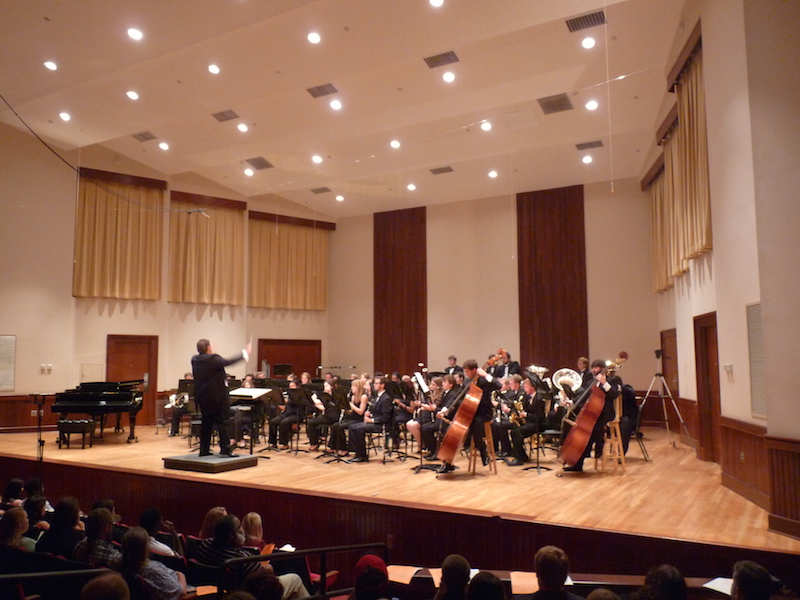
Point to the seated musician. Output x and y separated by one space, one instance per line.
405 403
178 411
452 366
327 413
506 367
357 403
280 427
446 410
610 391
425 413
374 420
505 406
533 417
483 414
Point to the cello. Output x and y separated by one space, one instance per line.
581 432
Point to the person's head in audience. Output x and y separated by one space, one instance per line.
135 550
455 577
108 586
33 487
239 595
751 581
663 582
264 585
35 507
228 532
252 526
370 578
13 490
109 505
13 524
98 524
212 516
151 521
601 593
552 567
485 586
67 515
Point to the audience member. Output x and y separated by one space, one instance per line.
602 594
264 586
212 516
152 521
552 567
108 586
239 595
228 543
160 582
65 531
12 494
108 504
751 581
12 527
253 531
664 582
95 547
34 487
455 577
370 578
35 508
485 586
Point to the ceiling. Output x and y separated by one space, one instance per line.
510 54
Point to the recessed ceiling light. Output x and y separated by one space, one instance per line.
132 95
135 34
586 160
316 158
213 69
64 116
492 174
340 198
336 105
249 172
436 3
394 144
592 105
51 65
314 37
588 43
241 127
449 77
486 126
411 187
164 146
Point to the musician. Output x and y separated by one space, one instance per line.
425 412
611 392
504 406
487 383
280 427
374 420
357 402
452 368
211 394
533 416
506 367
405 403
327 414
585 372
446 411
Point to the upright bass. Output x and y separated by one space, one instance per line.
581 433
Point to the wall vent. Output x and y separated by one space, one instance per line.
554 104
322 90
440 170
589 145
259 163
225 115
440 60
144 136
755 343
586 21
321 190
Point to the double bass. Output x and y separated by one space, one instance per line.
581 432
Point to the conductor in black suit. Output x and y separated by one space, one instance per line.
211 394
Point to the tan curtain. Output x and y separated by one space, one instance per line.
681 198
118 231
206 254
288 266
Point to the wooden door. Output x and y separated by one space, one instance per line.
302 355
133 357
708 400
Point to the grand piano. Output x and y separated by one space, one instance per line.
100 399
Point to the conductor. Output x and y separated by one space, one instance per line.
211 394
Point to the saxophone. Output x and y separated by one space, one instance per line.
516 413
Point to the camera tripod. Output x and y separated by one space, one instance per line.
659 377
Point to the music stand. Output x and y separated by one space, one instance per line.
248 399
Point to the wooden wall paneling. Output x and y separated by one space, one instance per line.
130 358
400 290
417 534
784 479
745 462
669 360
16 415
303 355
708 388
551 250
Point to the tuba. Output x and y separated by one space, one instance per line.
567 381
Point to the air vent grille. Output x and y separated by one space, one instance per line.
589 145
321 190
586 21
440 60
440 170
259 163
322 90
144 136
225 115
554 104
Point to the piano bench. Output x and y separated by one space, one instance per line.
69 426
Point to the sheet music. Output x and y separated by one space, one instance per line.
250 392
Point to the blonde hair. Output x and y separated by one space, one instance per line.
252 527
212 516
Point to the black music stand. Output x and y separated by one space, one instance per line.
539 468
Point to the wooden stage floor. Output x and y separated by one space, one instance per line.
674 495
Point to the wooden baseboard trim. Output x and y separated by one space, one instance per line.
28 429
755 496
784 526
